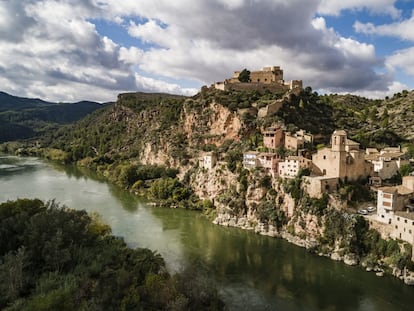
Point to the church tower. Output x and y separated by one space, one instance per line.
338 140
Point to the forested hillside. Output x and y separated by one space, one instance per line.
22 118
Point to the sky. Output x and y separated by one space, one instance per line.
72 50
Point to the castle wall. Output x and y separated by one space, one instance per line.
260 87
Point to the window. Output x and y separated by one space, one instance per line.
324 157
405 220
396 227
398 218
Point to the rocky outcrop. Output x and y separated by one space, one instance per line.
214 124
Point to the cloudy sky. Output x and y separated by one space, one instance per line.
69 50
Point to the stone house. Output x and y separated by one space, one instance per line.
208 160
403 226
395 199
270 162
386 164
266 160
273 137
316 186
297 140
251 159
291 165
342 160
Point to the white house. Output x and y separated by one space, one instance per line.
394 199
291 165
209 160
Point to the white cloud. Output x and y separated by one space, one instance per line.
401 29
393 88
59 54
153 85
382 7
403 60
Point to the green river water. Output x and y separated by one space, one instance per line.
251 272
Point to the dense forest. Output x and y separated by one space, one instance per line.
56 258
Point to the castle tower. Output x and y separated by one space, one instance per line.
338 140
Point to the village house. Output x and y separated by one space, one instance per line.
267 161
291 166
297 140
273 137
387 162
208 160
395 207
270 162
251 159
396 198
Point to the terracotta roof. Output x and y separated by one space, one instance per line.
351 142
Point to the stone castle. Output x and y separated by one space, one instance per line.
269 78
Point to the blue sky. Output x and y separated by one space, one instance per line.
69 50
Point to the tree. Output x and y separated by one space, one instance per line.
244 75
405 170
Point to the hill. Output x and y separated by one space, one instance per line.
22 118
10 102
169 128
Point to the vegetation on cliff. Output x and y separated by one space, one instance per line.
55 258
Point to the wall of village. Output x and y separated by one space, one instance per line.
270 109
316 186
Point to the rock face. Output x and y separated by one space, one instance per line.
215 123
209 184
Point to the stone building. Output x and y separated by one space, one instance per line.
316 186
251 159
291 165
297 140
270 162
395 207
267 161
342 160
395 199
208 160
273 137
269 78
386 163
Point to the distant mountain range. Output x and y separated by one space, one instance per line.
22 118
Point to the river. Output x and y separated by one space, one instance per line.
252 272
